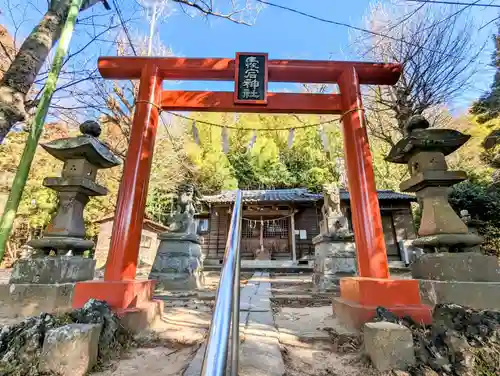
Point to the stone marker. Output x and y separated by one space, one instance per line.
461 266
70 350
389 346
334 250
473 225
178 264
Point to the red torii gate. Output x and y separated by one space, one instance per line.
359 295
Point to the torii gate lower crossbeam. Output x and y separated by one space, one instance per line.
359 295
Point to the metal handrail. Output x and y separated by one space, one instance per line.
227 305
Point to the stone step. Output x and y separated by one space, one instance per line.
266 265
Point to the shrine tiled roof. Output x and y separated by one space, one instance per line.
293 195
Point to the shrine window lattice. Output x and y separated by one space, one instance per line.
272 228
249 229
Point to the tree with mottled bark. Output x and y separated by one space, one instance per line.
487 107
15 102
29 60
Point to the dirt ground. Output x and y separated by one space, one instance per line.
312 342
165 361
301 361
169 346
5 275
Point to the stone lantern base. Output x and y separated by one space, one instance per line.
62 243
30 299
466 278
44 284
48 270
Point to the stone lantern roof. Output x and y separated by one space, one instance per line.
85 146
420 138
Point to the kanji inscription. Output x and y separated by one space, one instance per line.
251 80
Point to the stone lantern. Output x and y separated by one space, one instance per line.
448 271
424 150
58 256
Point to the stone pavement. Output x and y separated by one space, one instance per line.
259 349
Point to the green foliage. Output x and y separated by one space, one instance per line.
387 175
159 205
37 203
488 105
483 203
268 163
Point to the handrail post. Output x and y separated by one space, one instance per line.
235 349
226 304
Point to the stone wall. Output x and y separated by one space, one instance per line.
307 219
397 221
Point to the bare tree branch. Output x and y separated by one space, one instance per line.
208 9
440 57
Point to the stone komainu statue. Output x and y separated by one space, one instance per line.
331 203
336 222
183 218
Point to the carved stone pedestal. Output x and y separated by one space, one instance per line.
30 299
178 263
334 258
60 269
466 278
44 284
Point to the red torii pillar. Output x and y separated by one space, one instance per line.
359 295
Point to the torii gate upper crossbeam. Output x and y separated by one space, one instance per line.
222 69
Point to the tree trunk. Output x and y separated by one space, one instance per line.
21 74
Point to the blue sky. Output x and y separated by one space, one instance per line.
283 34
280 33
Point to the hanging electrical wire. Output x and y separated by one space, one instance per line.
125 29
376 33
475 4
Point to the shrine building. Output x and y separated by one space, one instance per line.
271 217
